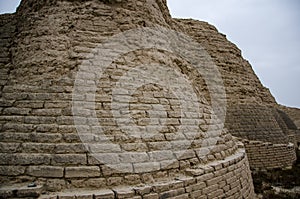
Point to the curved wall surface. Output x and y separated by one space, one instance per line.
62 124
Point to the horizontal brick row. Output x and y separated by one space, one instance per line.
229 178
269 156
256 122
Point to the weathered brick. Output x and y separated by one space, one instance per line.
24 191
12 118
158 156
6 103
31 137
114 181
29 104
69 159
151 196
46 171
210 189
198 194
195 187
46 137
105 148
169 164
160 146
47 112
195 172
231 179
24 159
176 184
54 196
16 111
68 129
133 179
122 193
143 190
37 148
214 180
215 194
109 169
161 187
9 147
182 196
56 104
12 170
172 193
84 172
134 147
104 194
90 183
84 196
187 154
146 167
103 158
66 120
204 177
69 148
11 126
66 196
134 157
49 128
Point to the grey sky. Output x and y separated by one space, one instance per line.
8 6
267 32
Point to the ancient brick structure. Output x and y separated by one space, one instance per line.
294 114
252 112
292 118
60 123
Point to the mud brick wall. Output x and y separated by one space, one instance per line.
293 113
241 83
256 122
252 112
271 133
272 143
297 137
221 179
7 30
46 44
261 155
39 140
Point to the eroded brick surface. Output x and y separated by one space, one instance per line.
183 152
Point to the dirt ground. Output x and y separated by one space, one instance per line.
278 183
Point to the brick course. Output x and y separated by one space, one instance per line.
210 185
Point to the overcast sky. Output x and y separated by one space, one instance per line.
267 32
